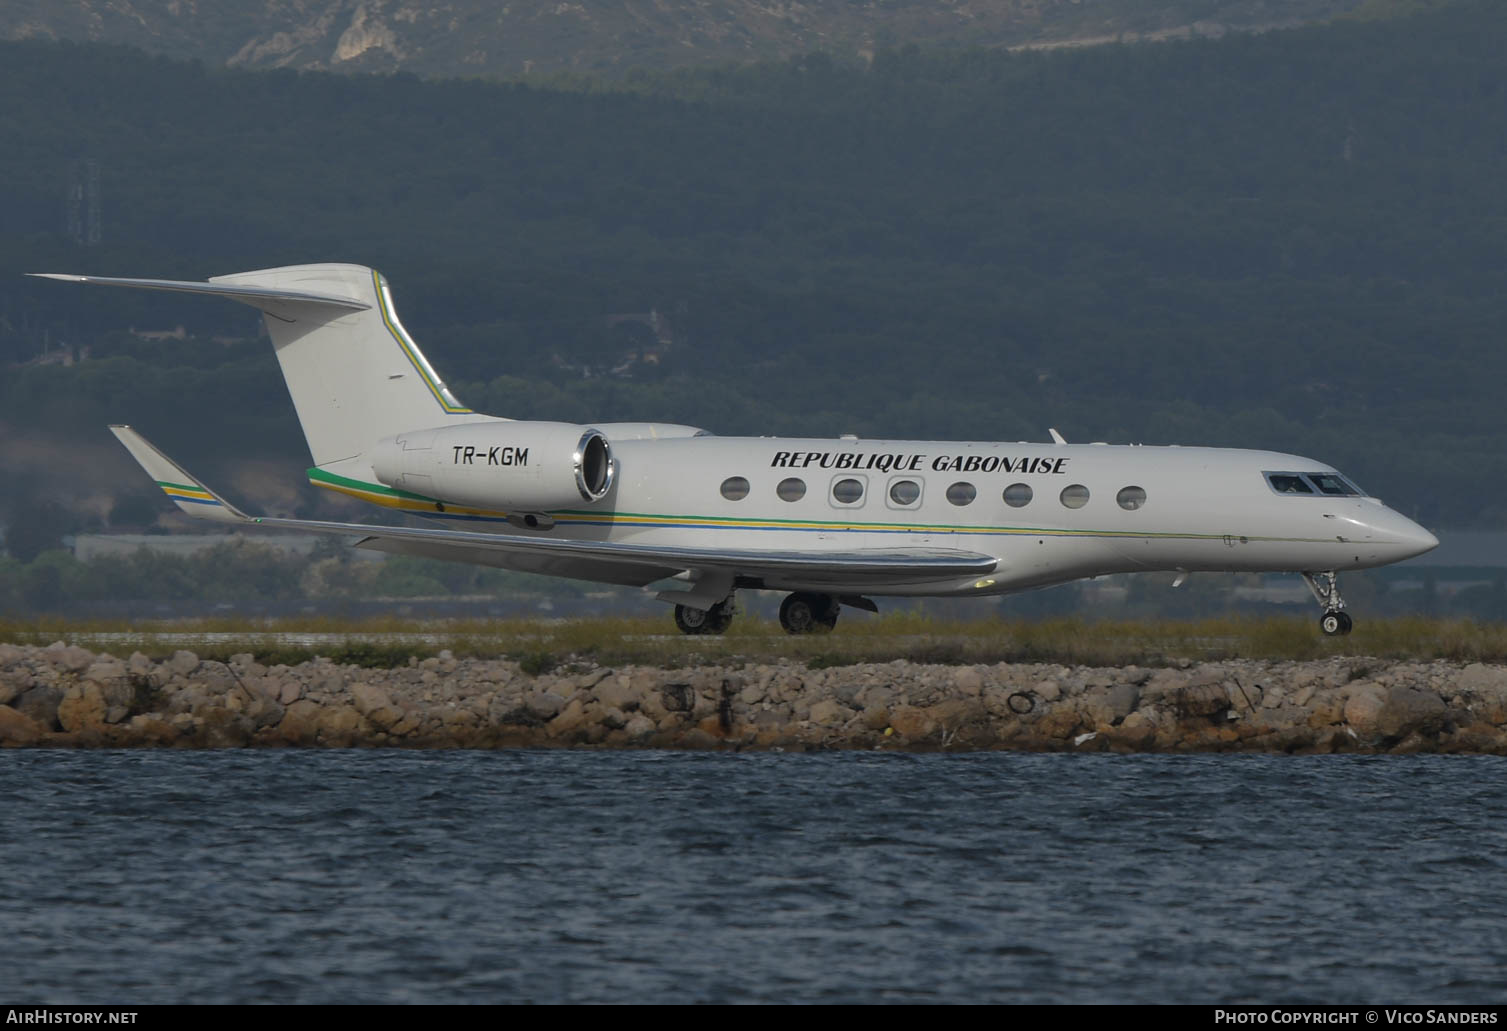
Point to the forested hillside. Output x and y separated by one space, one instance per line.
1296 240
481 38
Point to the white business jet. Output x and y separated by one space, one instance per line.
693 517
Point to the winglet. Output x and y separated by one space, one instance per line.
1056 437
187 493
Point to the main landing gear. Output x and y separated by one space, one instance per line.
800 613
803 613
714 620
1335 622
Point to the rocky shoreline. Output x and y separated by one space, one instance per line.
67 696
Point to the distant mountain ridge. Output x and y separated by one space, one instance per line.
533 37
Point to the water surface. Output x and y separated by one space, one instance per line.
577 876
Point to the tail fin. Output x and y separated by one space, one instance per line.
354 373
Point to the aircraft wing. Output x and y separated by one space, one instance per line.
609 561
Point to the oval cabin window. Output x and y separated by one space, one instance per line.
1074 495
792 489
962 493
735 488
1018 495
905 492
1130 498
847 492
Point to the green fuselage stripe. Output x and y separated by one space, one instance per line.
320 476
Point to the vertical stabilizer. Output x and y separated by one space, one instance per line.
355 376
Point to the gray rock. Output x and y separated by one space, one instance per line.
593 678
368 699
574 717
967 681
105 669
68 658
1363 708
1478 676
1244 697
543 705
830 713
1110 704
1410 711
13 683
182 663
847 692
639 727
40 704
617 692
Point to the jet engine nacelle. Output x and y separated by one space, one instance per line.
514 466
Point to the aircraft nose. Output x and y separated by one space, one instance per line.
1412 538
1421 541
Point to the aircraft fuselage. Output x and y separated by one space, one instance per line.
1072 510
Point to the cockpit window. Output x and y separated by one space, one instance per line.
1333 484
1288 483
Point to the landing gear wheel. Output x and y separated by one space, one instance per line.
721 617
1336 624
714 620
803 613
692 621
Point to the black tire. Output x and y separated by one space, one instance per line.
720 618
693 621
1335 624
803 613
796 615
714 620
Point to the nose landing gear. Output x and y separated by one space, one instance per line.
1335 622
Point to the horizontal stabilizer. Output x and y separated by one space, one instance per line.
280 304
